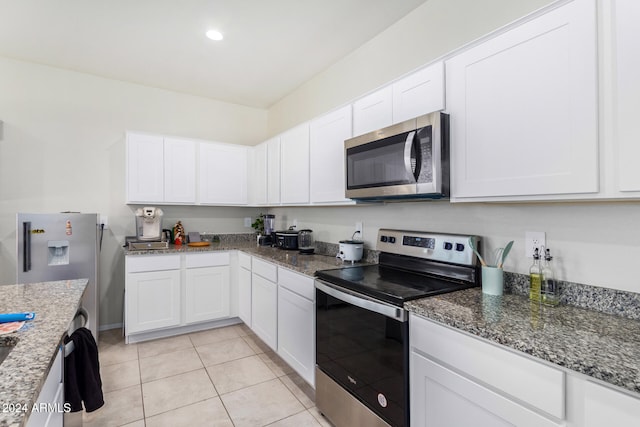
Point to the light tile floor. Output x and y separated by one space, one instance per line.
219 377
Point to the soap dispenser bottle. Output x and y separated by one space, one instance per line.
535 277
550 294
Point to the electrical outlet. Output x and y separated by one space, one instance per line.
104 221
359 229
533 240
247 222
295 223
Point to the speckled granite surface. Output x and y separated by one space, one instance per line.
24 370
292 259
600 345
610 301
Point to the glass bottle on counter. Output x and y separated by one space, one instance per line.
535 277
549 292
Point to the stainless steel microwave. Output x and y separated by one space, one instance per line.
408 160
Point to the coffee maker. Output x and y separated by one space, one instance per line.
149 224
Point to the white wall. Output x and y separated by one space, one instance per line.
593 243
429 32
63 149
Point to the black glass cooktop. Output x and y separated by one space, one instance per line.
392 285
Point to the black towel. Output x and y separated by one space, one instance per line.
82 380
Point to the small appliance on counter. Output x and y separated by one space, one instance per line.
149 233
306 244
149 223
269 238
350 250
287 239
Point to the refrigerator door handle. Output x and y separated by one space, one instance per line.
26 247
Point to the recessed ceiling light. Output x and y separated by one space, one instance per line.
214 35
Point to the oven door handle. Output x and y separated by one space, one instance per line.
364 302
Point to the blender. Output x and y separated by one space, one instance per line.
268 238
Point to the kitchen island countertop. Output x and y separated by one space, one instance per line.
602 346
25 369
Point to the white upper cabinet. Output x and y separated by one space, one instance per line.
273 171
326 148
258 175
160 169
145 168
419 93
294 166
179 171
223 174
622 102
524 114
373 111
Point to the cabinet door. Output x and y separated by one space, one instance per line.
606 407
257 174
419 93
373 112
179 171
244 296
294 166
207 294
152 300
223 174
626 93
523 108
264 310
273 171
51 393
441 397
145 168
296 333
326 152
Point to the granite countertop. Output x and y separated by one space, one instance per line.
602 346
23 372
292 259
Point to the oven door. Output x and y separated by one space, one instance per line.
363 345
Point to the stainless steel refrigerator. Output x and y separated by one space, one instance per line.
63 246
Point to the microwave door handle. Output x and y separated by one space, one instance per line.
26 246
408 145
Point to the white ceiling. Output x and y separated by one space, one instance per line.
270 47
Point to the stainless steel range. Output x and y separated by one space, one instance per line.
362 328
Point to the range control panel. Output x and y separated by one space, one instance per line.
452 248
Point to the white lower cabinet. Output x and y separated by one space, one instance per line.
152 300
207 294
48 408
264 310
296 322
282 312
165 292
459 380
244 288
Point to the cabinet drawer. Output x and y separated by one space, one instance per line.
297 283
265 269
244 260
527 380
207 259
138 264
